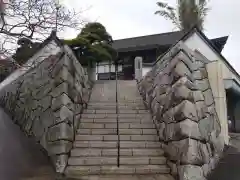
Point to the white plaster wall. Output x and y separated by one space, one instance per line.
196 42
145 70
228 74
216 76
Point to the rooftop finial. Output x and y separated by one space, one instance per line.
54 33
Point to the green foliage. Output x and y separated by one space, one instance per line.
80 41
187 14
95 32
93 43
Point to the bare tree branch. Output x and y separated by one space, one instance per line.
34 19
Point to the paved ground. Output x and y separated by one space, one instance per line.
228 167
20 156
126 177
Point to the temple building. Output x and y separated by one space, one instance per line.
149 48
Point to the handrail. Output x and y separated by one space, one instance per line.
117 111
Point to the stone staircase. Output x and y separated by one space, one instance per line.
95 151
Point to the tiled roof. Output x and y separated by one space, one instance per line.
164 39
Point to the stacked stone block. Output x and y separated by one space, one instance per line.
178 93
46 102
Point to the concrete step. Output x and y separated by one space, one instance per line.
99 120
139 144
112 103
114 120
113 144
40 177
84 152
104 160
141 160
114 125
121 106
40 173
133 105
137 131
98 116
135 120
97 170
126 177
95 144
92 161
115 138
114 131
99 107
101 116
97 131
113 111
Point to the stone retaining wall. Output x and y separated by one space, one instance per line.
178 93
46 102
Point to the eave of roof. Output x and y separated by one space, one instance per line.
139 48
148 40
232 84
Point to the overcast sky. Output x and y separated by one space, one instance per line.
130 18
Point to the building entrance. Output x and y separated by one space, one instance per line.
125 68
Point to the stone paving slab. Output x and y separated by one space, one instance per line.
145 137
97 170
128 177
97 131
140 144
84 152
108 177
91 161
96 125
101 116
40 178
134 104
95 144
113 111
98 107
98 120
142 160
137 131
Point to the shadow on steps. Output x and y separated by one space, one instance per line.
20 157
228 167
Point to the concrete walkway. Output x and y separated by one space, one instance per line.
21 158
228 167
